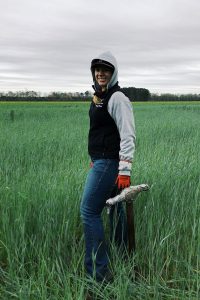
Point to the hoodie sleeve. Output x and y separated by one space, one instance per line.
120 109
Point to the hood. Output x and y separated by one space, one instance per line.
109 57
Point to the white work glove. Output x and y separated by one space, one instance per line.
124 176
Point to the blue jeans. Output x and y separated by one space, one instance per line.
99 186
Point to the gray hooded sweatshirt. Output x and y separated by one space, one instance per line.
120 109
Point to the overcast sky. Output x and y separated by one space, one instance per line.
47 45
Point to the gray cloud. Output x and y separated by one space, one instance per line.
48 45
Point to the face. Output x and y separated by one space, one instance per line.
102 76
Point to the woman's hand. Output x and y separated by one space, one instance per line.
123 181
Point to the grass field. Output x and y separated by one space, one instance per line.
43 167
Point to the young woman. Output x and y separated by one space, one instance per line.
111 145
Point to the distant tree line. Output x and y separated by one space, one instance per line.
134 94
174 97
37 96
137 94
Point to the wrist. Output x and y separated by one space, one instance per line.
125 167
124 173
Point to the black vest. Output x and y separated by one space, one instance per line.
103 139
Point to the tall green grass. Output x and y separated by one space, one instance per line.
43 167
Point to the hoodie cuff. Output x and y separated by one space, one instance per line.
125 168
